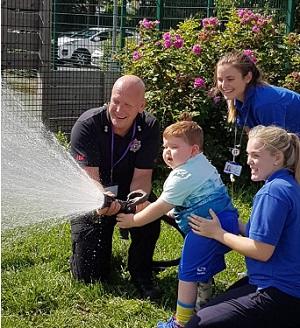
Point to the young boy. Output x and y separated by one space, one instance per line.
193 186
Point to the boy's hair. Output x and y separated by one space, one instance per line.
277 139
186 129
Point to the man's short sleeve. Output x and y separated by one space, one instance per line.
83 144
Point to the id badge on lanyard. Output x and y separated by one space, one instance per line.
113 189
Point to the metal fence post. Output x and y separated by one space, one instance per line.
54 36
122 24
290 18
159 12
209 8
115 23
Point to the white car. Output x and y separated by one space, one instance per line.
103 57
78 47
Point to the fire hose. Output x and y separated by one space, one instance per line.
135 198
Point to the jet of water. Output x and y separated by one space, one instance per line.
40 179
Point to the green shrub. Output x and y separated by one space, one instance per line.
63 139
178 68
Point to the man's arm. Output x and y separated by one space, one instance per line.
114 207
142 179
93 172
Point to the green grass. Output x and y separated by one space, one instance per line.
38 290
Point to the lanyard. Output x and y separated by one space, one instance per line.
112 164
237 147
235 151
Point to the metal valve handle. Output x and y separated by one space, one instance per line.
134 198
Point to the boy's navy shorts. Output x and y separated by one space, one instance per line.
203 257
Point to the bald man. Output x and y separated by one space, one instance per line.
117 145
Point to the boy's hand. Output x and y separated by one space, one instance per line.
171 213
125 220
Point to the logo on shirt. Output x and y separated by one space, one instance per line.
79 158
201 270
135 145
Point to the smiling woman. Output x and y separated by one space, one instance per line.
250 100
261 160
270 295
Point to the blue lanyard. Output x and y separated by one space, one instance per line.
112 164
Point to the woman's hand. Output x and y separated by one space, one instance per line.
206 227
125 220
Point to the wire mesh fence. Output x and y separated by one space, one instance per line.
58 55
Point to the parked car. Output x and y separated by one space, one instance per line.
78 47
103 57
66 37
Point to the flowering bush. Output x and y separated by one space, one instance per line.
178 67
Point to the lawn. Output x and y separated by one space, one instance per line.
38 290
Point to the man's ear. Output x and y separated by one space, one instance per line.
142 107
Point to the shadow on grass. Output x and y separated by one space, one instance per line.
17 263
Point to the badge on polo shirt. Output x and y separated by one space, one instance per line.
135 145
80 158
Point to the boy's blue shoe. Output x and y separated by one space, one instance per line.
171 323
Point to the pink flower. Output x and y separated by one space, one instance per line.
166 36
210 22
261 22
136 56
250 54
199 83
196 49
178 42
247 16
255 29
241 12
167 44
147 24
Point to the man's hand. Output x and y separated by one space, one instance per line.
113 208
125 220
